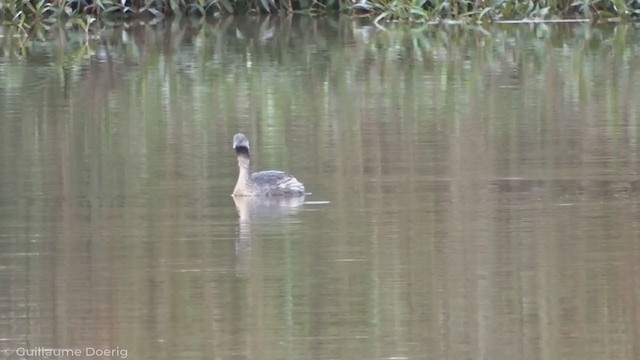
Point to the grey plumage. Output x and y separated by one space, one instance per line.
263 183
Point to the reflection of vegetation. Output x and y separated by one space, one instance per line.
205 51
270 75
263 73
20 11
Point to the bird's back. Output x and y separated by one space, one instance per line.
276 183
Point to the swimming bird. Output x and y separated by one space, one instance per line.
263 183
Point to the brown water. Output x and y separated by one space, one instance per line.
475 192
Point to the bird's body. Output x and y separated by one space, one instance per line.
263 183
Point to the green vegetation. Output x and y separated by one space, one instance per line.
21 12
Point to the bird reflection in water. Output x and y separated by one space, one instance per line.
256 210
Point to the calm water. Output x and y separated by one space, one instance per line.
475 192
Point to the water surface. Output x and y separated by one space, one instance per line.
474 191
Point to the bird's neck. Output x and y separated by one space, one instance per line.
244 176
244 164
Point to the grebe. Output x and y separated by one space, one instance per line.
263 183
